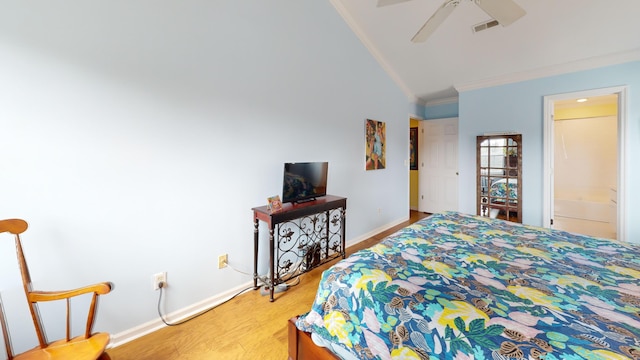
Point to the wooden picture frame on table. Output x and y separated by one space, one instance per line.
274 204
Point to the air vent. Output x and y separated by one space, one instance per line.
485 25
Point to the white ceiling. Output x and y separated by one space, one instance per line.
555 36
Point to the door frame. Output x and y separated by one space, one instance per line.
407 162
548 173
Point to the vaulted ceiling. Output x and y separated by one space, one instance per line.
555 36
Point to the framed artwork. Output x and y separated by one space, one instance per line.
274 204
375 153
413 148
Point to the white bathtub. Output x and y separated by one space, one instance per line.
594 216
591 209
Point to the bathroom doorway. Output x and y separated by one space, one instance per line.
584 150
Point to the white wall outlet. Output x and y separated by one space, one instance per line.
222 261
160 278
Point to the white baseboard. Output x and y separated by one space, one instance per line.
181 314
176 316
375 232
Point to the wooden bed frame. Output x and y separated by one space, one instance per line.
301 347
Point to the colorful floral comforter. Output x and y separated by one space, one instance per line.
456 286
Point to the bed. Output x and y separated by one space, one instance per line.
457 286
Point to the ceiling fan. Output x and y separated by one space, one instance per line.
505 12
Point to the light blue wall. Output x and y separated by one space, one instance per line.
518 107
137 136
417 109
441 111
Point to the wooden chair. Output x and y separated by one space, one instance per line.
86 346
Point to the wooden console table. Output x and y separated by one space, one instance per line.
301 237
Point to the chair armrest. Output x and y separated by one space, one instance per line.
99 289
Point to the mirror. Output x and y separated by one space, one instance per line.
499 176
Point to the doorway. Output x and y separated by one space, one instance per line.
584 162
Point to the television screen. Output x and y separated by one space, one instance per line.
304 181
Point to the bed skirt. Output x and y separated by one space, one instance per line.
302 347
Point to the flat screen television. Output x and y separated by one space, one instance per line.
304 181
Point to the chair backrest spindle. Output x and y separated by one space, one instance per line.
5 332
28 288
92 315
68 332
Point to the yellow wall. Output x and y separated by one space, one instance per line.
413 177
584 111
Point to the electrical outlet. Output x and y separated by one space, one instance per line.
222 261
160 278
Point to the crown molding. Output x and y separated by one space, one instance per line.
574 66
342 11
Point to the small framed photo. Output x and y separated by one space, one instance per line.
274 204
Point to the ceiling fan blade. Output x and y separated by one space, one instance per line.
434 21
390 2
505 11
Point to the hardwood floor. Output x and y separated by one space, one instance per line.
247 327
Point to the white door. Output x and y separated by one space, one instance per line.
438 168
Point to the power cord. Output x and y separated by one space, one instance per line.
236 270
161 286
263 279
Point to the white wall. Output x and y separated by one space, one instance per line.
518 107
137 136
